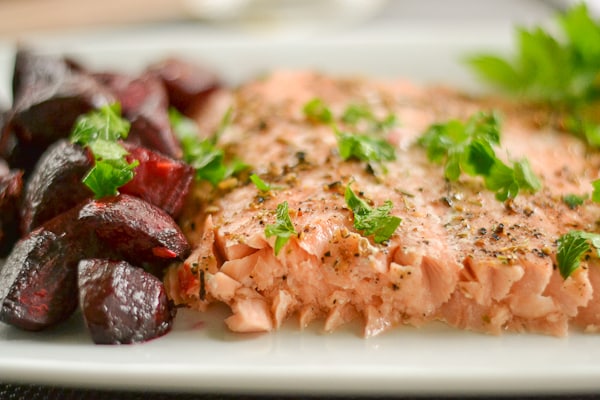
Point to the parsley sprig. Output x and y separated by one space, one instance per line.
282 229
361 137
572 246
203 154
100 130
562 70
469 148
372 221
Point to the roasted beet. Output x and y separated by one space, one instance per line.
160 180
11 185
135 229
38 280
121 303
49 95
144 102
62 166
187 83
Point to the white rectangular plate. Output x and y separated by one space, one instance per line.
200 355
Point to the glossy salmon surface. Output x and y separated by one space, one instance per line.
459 255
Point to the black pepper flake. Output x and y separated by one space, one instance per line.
193 226
202 293
499 229
495 236
328 254
482 231
395 287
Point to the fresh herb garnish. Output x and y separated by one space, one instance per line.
100 130
203 154
364 148
317 111
562 70
372 221
573 201
283 228
572 246
596 191
355 113
259 183
355 141
469 147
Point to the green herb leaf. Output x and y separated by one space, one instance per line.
107 176
259 183
572 246
283 228
105 123
100 130
560 69
356 113
469 148
596 191
372 221
317 111
203 154
364 148
573 201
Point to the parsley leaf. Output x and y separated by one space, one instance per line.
259 183
355 113
596 191
573 201
562 70
469 148
203 154
317 111
372 221
572 246
364 148
100 130
283 228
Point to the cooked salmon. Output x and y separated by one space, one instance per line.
459 255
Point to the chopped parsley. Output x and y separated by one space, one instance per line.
364 148
282 229
203 154
317 111
573 201
356 141
469 148
572 246
596 191
100 130
259 183
372 221
562 70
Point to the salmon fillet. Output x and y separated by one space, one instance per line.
459 255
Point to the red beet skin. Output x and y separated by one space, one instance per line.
122 304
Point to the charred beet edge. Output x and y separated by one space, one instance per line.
145 104
11 185
62 166
49 95
121 303
160 180
37 281
187 84
138 231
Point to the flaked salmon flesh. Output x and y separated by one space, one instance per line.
459 256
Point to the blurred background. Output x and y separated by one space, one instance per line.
37 19
417 38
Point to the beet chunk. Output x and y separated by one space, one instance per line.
145 104
38 283
11 185
187 83
49 95
138 231
62 166
122 304
38 280
160 180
